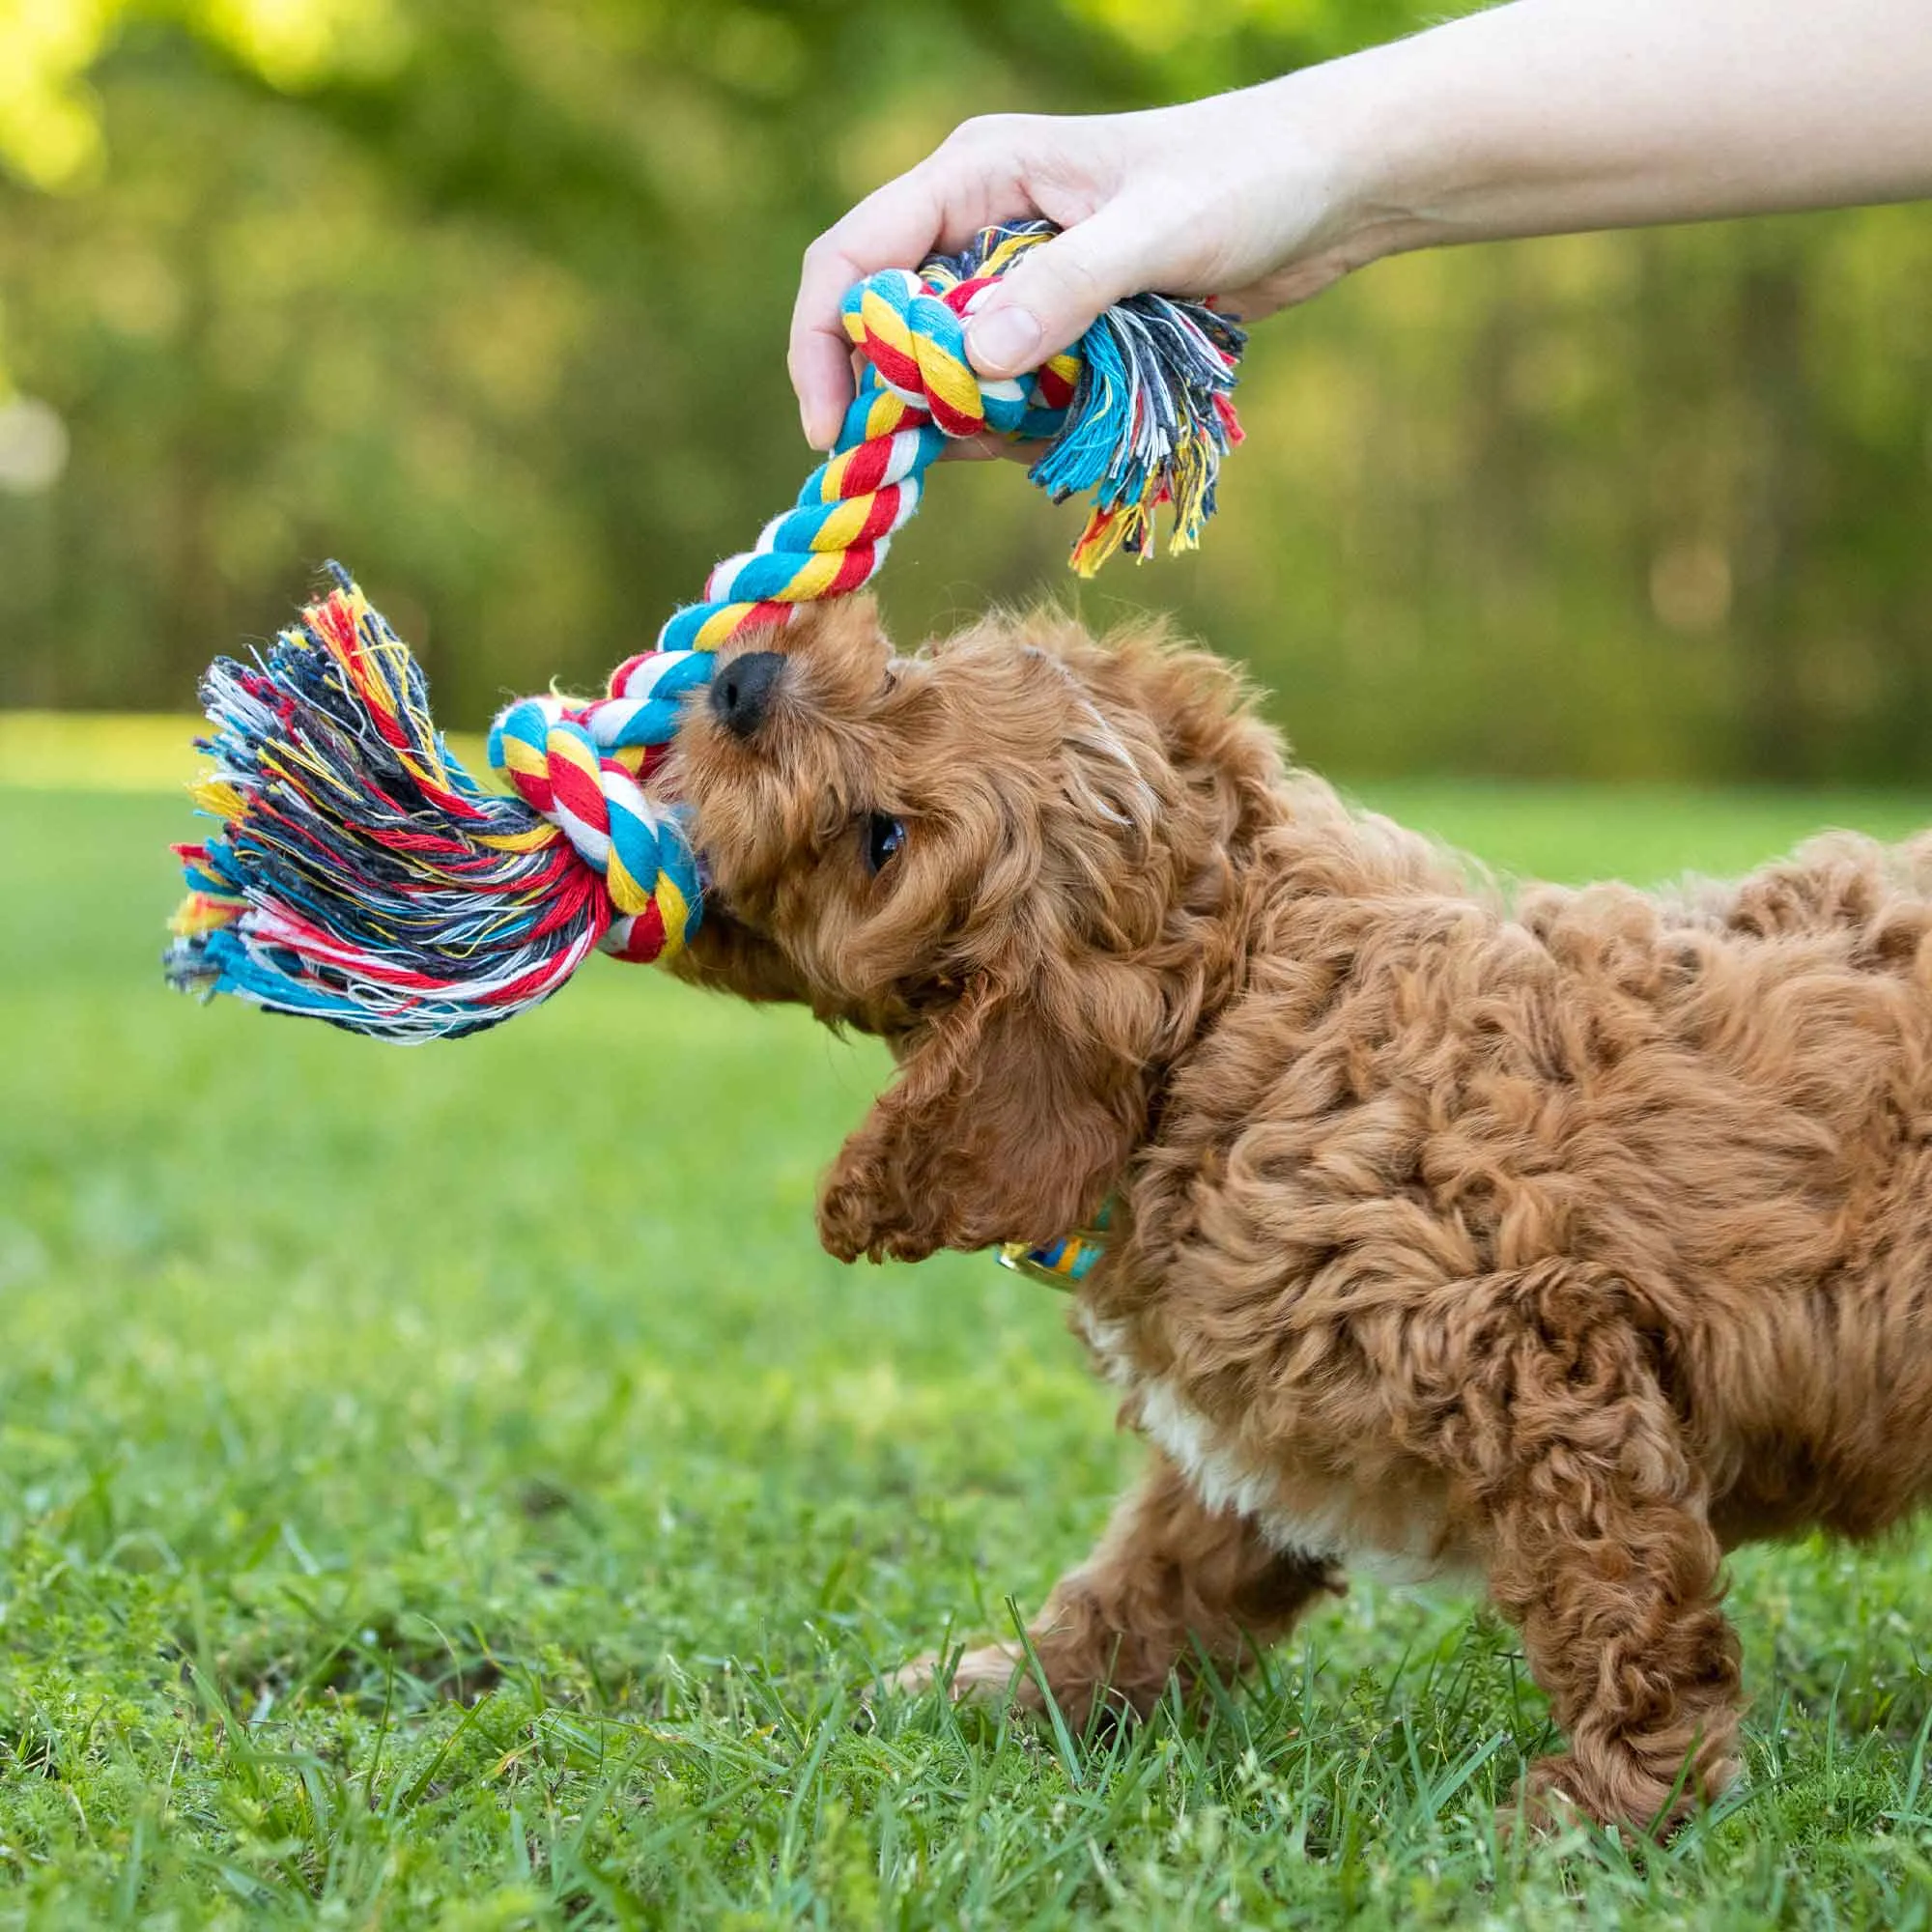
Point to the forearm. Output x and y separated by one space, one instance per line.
1541 117
1557 116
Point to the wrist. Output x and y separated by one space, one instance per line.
1350 146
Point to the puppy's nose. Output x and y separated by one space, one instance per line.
741 693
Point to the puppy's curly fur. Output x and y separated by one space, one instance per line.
1570 1240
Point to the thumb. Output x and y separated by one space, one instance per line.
1055 292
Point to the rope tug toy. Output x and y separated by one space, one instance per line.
363 876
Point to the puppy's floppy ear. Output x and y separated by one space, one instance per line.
1000 1127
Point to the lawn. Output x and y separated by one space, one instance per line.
450 1487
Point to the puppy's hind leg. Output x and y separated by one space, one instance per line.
1618 1601
1171 1582
1599 1549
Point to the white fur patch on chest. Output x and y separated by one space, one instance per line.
1225 1479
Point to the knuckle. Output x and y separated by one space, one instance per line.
964 136
820 252
1070 273
982 133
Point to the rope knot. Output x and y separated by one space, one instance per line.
912 330
583 767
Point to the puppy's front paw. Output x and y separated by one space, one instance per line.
845 1220
854 1219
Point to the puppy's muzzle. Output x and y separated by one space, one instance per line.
741 691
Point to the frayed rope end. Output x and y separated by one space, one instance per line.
1147 417
1149 423
360 874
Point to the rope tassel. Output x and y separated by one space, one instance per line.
363 876
360 874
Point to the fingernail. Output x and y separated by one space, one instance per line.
813 423
1005 341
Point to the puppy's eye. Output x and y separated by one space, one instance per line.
883 838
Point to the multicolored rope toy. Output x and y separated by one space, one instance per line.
363 877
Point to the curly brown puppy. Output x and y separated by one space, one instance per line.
1567 1241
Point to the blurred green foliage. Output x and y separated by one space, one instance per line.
489 301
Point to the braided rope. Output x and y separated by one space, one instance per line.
363 876
585 768
916 390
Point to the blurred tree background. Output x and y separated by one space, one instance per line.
488 300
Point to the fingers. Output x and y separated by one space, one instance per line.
973 179
1053 294
985 171
893 227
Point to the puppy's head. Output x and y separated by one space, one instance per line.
1006 853
1016 804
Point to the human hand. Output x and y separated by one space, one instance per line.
1236 197
1541 117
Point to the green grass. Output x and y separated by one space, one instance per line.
450 1487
